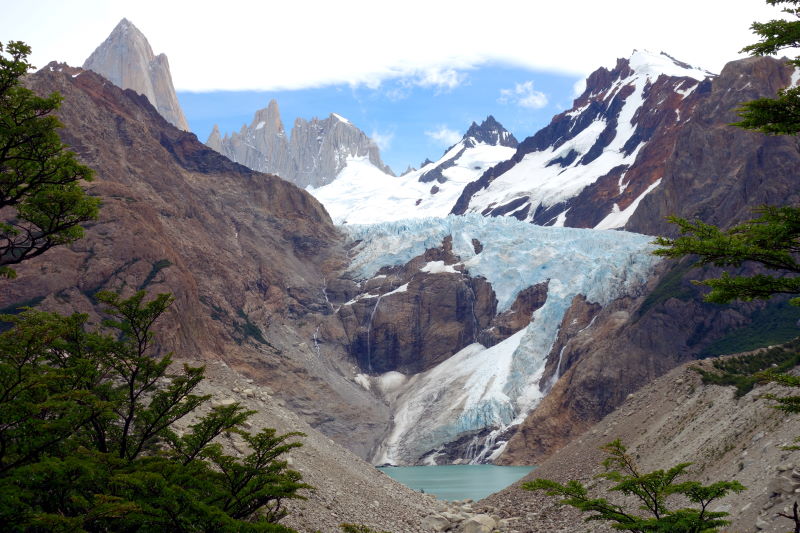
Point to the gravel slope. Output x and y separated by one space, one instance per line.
672 420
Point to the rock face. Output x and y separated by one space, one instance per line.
314 154
126 60
410 318
715 172
594 163
519 316
245 254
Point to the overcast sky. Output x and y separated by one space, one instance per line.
269 45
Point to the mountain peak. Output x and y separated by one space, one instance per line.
268 119
126 60
124 26
645 62
313 154
215 138
490 131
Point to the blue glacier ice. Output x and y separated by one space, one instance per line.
477 387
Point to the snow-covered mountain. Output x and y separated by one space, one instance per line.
362 194
315 154
595 162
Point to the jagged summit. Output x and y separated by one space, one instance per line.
215 139
491 132
581 170
126 60
313 155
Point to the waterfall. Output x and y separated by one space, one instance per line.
472 450
557 372
369 328
325 295
475 324
316 343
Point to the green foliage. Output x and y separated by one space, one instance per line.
745 371
773 325
248 329
653 490
670 286
88 439
781 115
772 240
41 202
790 404
358 528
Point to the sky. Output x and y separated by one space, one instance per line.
412 74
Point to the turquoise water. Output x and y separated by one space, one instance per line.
457 482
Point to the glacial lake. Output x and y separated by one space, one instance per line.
457 482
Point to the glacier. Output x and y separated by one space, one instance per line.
482 388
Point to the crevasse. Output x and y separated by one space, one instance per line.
477 387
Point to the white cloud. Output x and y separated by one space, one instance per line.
382 140
349 41
523 95
442 79
444 136
579 87
398 93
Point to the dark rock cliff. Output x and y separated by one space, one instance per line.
714 172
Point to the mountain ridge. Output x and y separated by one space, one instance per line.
581 169
315 152
361 195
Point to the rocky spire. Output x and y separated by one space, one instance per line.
126 59
317 151
491 132
215 139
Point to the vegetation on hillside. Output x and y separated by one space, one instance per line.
654 493
41 202
98 430
745 371
88 435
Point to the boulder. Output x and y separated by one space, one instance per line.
480 523
436 522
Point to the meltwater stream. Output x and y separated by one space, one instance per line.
457 482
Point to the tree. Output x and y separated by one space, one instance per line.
781 115
652 490
771 240
88 440
41 202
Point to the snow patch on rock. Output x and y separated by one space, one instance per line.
494 387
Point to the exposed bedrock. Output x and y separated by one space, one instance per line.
603 355
410 318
